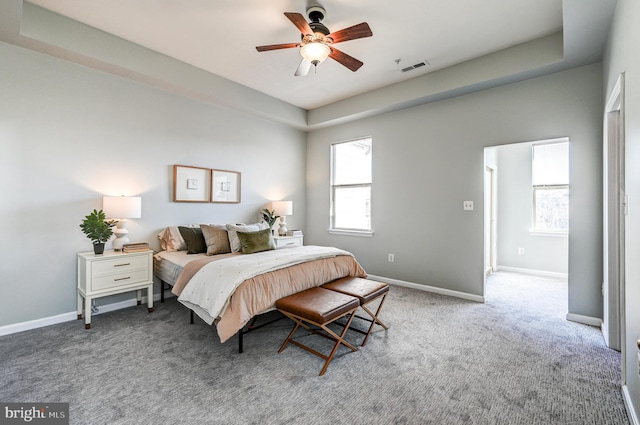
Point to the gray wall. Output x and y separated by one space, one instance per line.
622 56
59 117
69 135
429 159
542 253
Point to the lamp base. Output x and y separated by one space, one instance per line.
122 237
282 231
120 241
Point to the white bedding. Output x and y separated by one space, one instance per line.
209 290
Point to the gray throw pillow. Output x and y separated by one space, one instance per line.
216 238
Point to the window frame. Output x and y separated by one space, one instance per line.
535 229
333 186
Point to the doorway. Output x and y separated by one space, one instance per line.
526 218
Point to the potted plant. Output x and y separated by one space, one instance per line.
98 229
270 217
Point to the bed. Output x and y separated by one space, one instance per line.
230 289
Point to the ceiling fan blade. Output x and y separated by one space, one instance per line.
303 68
357 31
299 21
346 60
276 46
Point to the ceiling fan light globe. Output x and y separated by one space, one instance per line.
315 52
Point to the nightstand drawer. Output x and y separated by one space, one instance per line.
288 241
118 265
125 277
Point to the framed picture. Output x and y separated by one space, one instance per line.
191 184
225 186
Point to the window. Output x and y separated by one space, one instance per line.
550 179
351 186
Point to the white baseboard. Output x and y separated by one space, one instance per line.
72 315
67 317
38 323
427 288
585 320
605 333
533 272
628 403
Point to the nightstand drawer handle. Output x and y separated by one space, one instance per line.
291 243
122 278
120 265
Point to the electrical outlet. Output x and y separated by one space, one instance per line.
520 251
467 205
392 258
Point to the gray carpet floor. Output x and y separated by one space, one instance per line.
513 360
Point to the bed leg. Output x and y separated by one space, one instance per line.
240 333
191 317
161 291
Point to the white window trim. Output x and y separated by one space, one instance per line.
362 233
548 233
345 231
533 231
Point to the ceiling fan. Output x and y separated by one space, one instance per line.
317 41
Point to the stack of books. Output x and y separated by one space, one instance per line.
294 232
135 247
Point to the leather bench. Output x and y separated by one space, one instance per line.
366 291
318 307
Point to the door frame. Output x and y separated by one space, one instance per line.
614 211
490 201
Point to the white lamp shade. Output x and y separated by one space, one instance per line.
282 208
122 206
315 52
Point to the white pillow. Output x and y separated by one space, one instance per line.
234 241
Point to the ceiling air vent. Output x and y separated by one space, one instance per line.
416 66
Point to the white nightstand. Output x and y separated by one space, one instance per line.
113 273
287 241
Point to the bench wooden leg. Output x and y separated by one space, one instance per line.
339 339
367 291
295 328
374 319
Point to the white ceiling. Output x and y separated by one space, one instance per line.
220 37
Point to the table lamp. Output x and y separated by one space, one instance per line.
121 208
283 209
